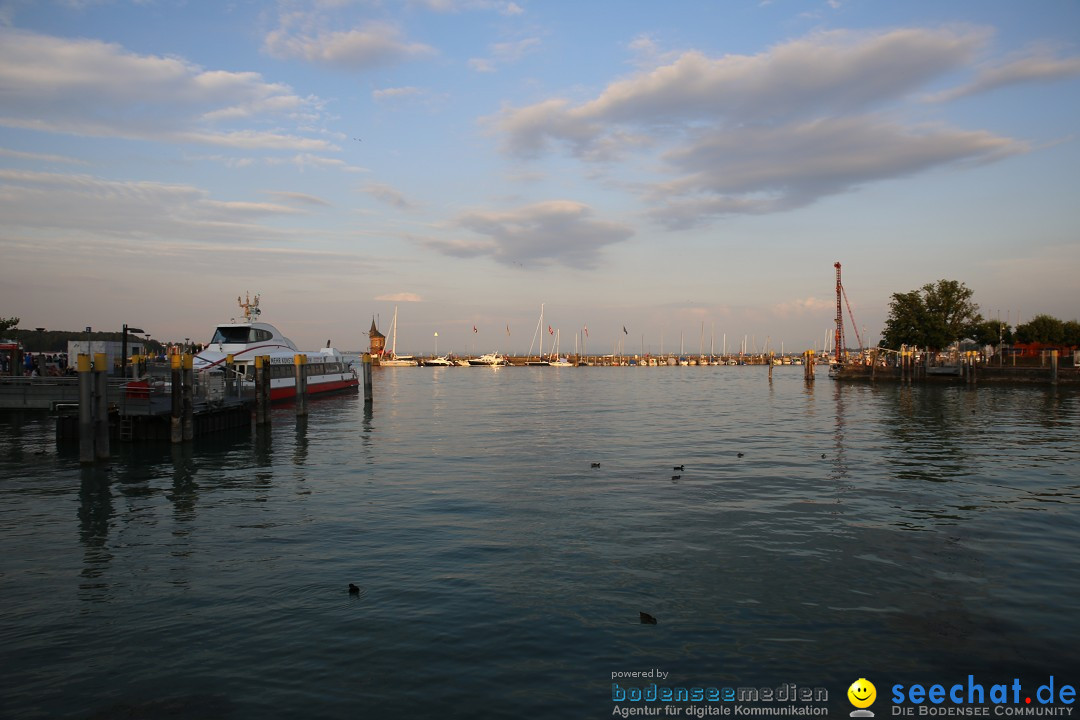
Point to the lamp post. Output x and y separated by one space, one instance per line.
123 347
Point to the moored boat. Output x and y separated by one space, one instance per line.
488 360
328 370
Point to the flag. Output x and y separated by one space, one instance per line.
474 328
624 330
550 331
586 331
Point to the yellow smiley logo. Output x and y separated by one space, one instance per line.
862 693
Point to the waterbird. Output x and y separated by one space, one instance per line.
596 464
679 467
740 454
353 590
676 477
647 619
822 456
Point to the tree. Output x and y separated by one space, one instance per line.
992 332
933 317
8 323
1072 333
1041 329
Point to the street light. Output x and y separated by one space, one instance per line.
123 347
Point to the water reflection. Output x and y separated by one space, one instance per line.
95 515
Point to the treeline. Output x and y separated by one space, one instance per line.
938 314
54 341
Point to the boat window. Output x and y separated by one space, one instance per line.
226 334
262 335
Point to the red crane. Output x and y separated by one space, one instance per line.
842 294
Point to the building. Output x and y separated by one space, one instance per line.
378 340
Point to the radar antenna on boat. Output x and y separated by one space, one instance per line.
250 307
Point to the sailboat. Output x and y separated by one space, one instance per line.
539 358
395 360
559 361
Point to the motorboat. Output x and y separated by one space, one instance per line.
488 360
244 340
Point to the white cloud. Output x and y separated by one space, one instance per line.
390 196
395 93
556 231
1036 68
768 132
92 88
400 297
504 54
372 45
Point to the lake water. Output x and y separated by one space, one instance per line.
899 534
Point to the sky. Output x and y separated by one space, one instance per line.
670 176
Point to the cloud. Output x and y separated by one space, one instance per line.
826 73
757 170
504 54
388 195
40 157
750 134
1036 68
92 88
96 207
395 93
400 297
455 6
298 198
372 45
556 231
803 306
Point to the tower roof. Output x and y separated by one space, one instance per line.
374 332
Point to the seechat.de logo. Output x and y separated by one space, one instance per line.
862 695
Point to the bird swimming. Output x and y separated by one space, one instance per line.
647 619
676 477
596 464
740 454
353 590
679 467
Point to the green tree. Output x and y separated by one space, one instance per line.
1041 329
8 324
933 316
1072 333
991 332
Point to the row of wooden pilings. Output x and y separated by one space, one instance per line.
808 366
262 386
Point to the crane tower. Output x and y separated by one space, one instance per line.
839 339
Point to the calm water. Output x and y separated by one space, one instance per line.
897 534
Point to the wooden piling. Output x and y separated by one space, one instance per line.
189 397
1053 367
86 409
101 407
367 378
300 367
262 372
176 429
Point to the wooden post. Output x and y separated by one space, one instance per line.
101 407
232 383
86 409
300 368
367 378
1053 367
189 397
769 360
261 372
176 426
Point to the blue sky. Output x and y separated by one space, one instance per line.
683 169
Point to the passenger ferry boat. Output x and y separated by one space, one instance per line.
328 370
